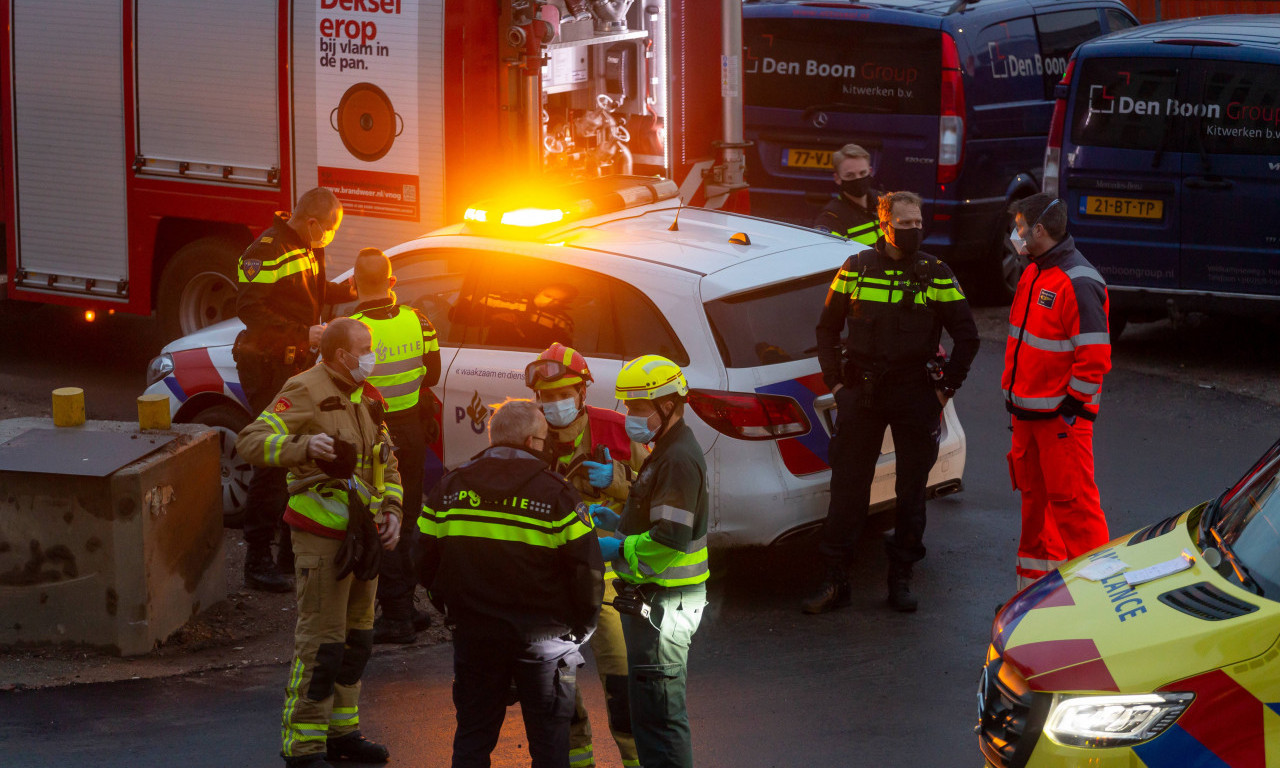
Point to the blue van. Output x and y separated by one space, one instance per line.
1166 148
951 98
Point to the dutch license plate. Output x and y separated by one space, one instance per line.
807 158
1121 207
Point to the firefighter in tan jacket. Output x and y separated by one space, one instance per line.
326 427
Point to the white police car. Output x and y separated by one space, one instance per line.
616 269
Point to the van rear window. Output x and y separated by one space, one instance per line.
1243 114
1124 103
770 325
831 65
1145 104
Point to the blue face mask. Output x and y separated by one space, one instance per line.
560 413
638 429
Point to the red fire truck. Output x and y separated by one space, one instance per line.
146 142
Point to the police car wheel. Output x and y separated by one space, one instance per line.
229 420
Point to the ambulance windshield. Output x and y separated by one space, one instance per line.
1247 520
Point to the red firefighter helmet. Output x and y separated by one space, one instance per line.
559 366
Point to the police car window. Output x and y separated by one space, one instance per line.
1007 56
1117 20
1060 34
1238 111
769 325
431 281
841 66
1123 103
530 304
642 330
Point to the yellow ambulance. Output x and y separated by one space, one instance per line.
1158 650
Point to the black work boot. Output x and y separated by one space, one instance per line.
832 593
421 620
357 749
900 597
260 572
395 631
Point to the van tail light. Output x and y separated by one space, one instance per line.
749 415
1053 150
951 114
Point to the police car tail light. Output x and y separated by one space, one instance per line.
513 216
748 415
951 122
1053 150
1113 721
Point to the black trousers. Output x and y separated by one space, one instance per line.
396 579
487 656
909 408
268 492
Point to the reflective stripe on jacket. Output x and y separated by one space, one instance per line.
502 537
313 403
401 340
1059 343
850 221
894 312
665 519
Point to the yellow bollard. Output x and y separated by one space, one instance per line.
153 412
68 407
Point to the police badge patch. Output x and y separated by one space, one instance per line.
251 268
584 513
1046 298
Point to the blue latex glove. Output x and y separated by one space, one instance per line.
610 548
604 518
598 474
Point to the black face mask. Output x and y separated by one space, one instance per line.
856 187
908 240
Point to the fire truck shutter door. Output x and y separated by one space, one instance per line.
207 93
68 98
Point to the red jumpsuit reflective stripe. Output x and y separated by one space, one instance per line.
1058 347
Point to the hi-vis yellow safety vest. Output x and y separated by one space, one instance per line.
398 346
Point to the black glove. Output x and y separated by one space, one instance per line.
344 465
1073 407
361 549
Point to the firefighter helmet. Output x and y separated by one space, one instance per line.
559 366
649 377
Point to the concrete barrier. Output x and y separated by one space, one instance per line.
118 561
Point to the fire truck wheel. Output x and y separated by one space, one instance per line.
198 286
229 420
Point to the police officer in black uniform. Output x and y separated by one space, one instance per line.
895 300
852 213
282 290
516 564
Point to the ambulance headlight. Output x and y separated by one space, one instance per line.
159 367
1113 721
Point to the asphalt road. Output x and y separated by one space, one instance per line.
770 687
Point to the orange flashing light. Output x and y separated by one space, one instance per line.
90 315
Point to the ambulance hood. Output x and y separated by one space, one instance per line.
1068 633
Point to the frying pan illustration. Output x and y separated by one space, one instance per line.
366 122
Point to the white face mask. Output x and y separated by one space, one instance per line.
560 413
364 367
1018 243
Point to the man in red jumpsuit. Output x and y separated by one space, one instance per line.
1059 349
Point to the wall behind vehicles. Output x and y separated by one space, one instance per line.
1148 11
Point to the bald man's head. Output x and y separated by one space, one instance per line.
372 275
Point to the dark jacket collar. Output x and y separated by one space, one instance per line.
1050 258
